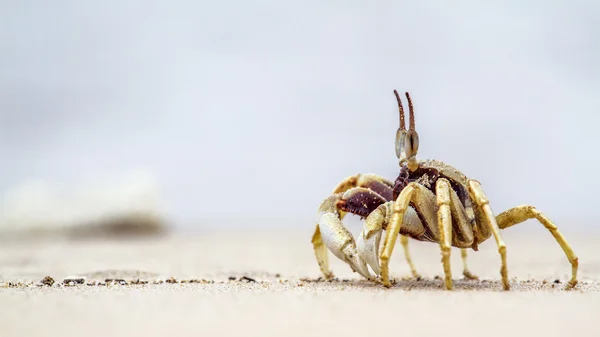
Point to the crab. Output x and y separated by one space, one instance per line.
429 201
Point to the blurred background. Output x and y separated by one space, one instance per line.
197 115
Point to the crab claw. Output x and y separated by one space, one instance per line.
338 239
368 250
370 237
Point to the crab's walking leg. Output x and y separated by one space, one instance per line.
321 253
382 187
445 226
466 272
404 243
519 214
482 202
398 210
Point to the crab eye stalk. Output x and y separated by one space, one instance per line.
401 133
411 147
411 138
400 141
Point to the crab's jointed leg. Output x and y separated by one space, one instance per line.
519 214
481 201
321 253
399 208
423 204
466 272
404 243
445 227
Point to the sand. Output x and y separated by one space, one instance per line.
282 295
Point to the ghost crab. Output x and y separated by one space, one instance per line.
429 201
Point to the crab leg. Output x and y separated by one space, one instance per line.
424 201
451 214
466 272
399 208
404 243
519 214
482 202
445 226
321 253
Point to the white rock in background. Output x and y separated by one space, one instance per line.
127 201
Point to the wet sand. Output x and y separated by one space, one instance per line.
257 284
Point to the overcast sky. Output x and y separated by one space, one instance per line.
256 109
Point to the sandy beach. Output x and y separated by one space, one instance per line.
266 283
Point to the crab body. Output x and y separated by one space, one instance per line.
429 201
466 233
